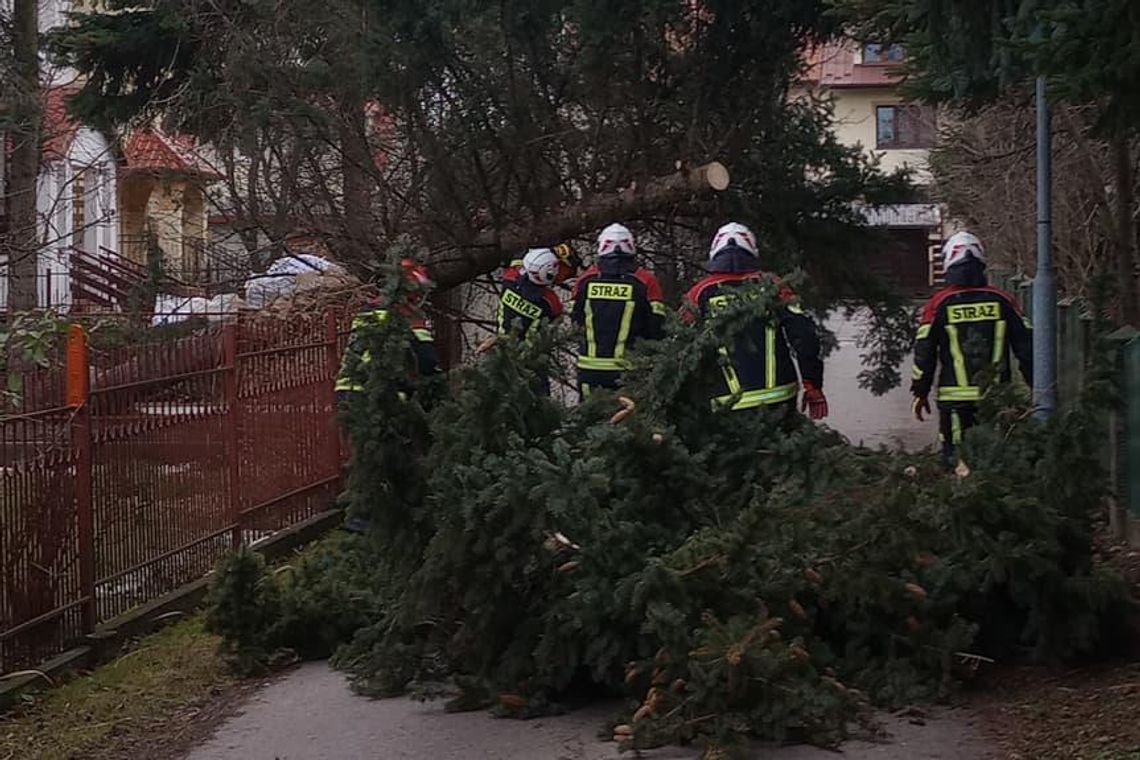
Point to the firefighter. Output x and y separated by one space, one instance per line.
759 369
616 303
354 366
353 376
966 328
528 300
568 265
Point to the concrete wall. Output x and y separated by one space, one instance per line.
855 125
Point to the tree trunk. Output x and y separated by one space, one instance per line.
486 251
1125 229
355 156
21 244
354 169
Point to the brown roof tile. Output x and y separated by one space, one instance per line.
834 65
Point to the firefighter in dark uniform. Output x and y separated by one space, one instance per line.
616 303
568 265
354 366
353 376
759 370
966 328
528 301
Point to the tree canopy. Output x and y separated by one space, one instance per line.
450 118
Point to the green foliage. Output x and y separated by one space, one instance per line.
244 606
305 608
730 573
27 341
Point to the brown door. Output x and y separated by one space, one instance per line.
903 260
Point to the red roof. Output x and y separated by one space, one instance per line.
59 129
152 149
835 64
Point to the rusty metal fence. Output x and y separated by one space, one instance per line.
127 473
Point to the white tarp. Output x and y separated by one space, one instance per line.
171 309
281 278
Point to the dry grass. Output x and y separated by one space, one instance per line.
146 703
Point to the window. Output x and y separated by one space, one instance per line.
903 126
874 52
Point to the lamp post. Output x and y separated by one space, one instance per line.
1044 282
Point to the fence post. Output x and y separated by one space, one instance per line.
1131 448
78 399
232 430
332 358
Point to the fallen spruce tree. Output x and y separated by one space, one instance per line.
732 574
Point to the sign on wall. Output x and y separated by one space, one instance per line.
904 215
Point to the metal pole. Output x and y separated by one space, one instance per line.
1044 283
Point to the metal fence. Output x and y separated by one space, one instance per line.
1076 340
127 473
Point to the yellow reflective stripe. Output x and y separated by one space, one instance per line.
586 391
730 376
602 363
370 318
658 307
960 393
960 374
752 399
591 339
923 331
623 331
347 385
999 341
502 315
955 428
916 372
423 335
770 356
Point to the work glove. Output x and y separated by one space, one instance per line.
568 263
814 402
921 406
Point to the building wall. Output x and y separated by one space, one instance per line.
855 125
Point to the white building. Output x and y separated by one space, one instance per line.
76 201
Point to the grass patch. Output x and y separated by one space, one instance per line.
121 709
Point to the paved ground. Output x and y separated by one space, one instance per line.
311 715
863 418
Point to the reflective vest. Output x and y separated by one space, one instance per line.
758 368
965 331
524 305
616 305
358 356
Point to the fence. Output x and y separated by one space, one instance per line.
1076 340
130 472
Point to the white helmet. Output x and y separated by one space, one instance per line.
733 234
540 266
616 240
960 247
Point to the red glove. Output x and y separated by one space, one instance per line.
814 403
921 406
